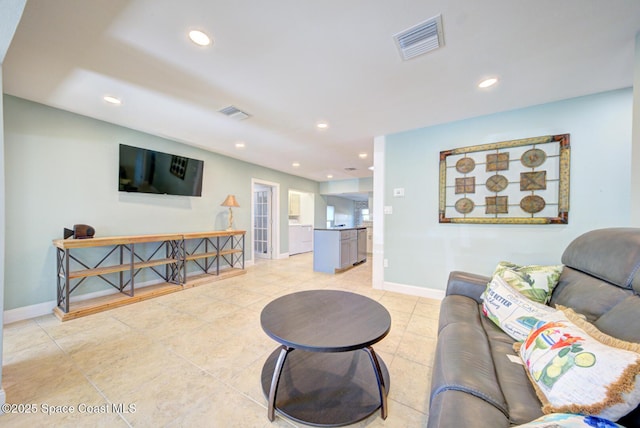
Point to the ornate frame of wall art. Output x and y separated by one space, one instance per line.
522 181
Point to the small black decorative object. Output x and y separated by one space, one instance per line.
80 231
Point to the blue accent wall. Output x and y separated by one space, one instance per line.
421 252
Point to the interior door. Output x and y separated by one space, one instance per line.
262 200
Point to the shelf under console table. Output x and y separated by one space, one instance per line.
166 255
207 250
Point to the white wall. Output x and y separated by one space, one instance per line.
355 185
635 172
344 211
307 207
421 252
9 19
62 169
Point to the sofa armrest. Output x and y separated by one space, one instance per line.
467 284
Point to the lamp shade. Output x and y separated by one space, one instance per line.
230 201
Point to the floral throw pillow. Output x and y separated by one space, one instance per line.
569 420
534 281
575 368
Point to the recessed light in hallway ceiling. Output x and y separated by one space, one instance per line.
487 83
199 38
112 100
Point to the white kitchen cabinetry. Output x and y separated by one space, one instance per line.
300 238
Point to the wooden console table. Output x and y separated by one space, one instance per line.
166 255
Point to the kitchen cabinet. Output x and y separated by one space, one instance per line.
362 245
294 204
338 249
300 238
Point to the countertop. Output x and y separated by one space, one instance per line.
341 228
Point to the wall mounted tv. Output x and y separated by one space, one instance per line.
149 171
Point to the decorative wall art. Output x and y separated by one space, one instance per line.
511 182
178 166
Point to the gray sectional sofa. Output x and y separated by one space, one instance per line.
475 385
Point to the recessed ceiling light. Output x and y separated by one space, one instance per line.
488 82
199 38
295 164
112 100
322 125
240 145
329 176
362 155
371 168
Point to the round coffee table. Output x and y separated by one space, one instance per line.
334 377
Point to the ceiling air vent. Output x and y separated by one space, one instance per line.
420 38
234 112
350 169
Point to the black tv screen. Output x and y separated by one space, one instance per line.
150 171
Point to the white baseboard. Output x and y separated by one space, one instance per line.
26 312
45 308
412 290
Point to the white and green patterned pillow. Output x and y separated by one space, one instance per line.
570 420
534 281
575 368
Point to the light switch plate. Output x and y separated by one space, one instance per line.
398 192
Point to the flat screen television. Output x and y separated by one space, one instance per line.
150 171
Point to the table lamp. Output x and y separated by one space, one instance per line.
230 201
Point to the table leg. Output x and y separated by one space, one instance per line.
381 386
277 371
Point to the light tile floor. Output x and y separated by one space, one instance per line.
194 358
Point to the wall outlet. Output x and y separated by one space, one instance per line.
388 209
385 262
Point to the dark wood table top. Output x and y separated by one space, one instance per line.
325 321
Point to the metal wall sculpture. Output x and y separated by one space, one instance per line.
511 182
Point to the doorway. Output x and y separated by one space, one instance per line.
264 219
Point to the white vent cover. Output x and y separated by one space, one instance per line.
420 38
234 113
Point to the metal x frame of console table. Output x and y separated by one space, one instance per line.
130 260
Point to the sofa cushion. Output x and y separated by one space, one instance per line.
511 310
519 394
612 255
534 281
454 309
463 362
467 284
589 296
454 409
469 345
577 369
569 420
623 320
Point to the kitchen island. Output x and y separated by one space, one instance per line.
339 248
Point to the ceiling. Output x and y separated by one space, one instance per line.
292 63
